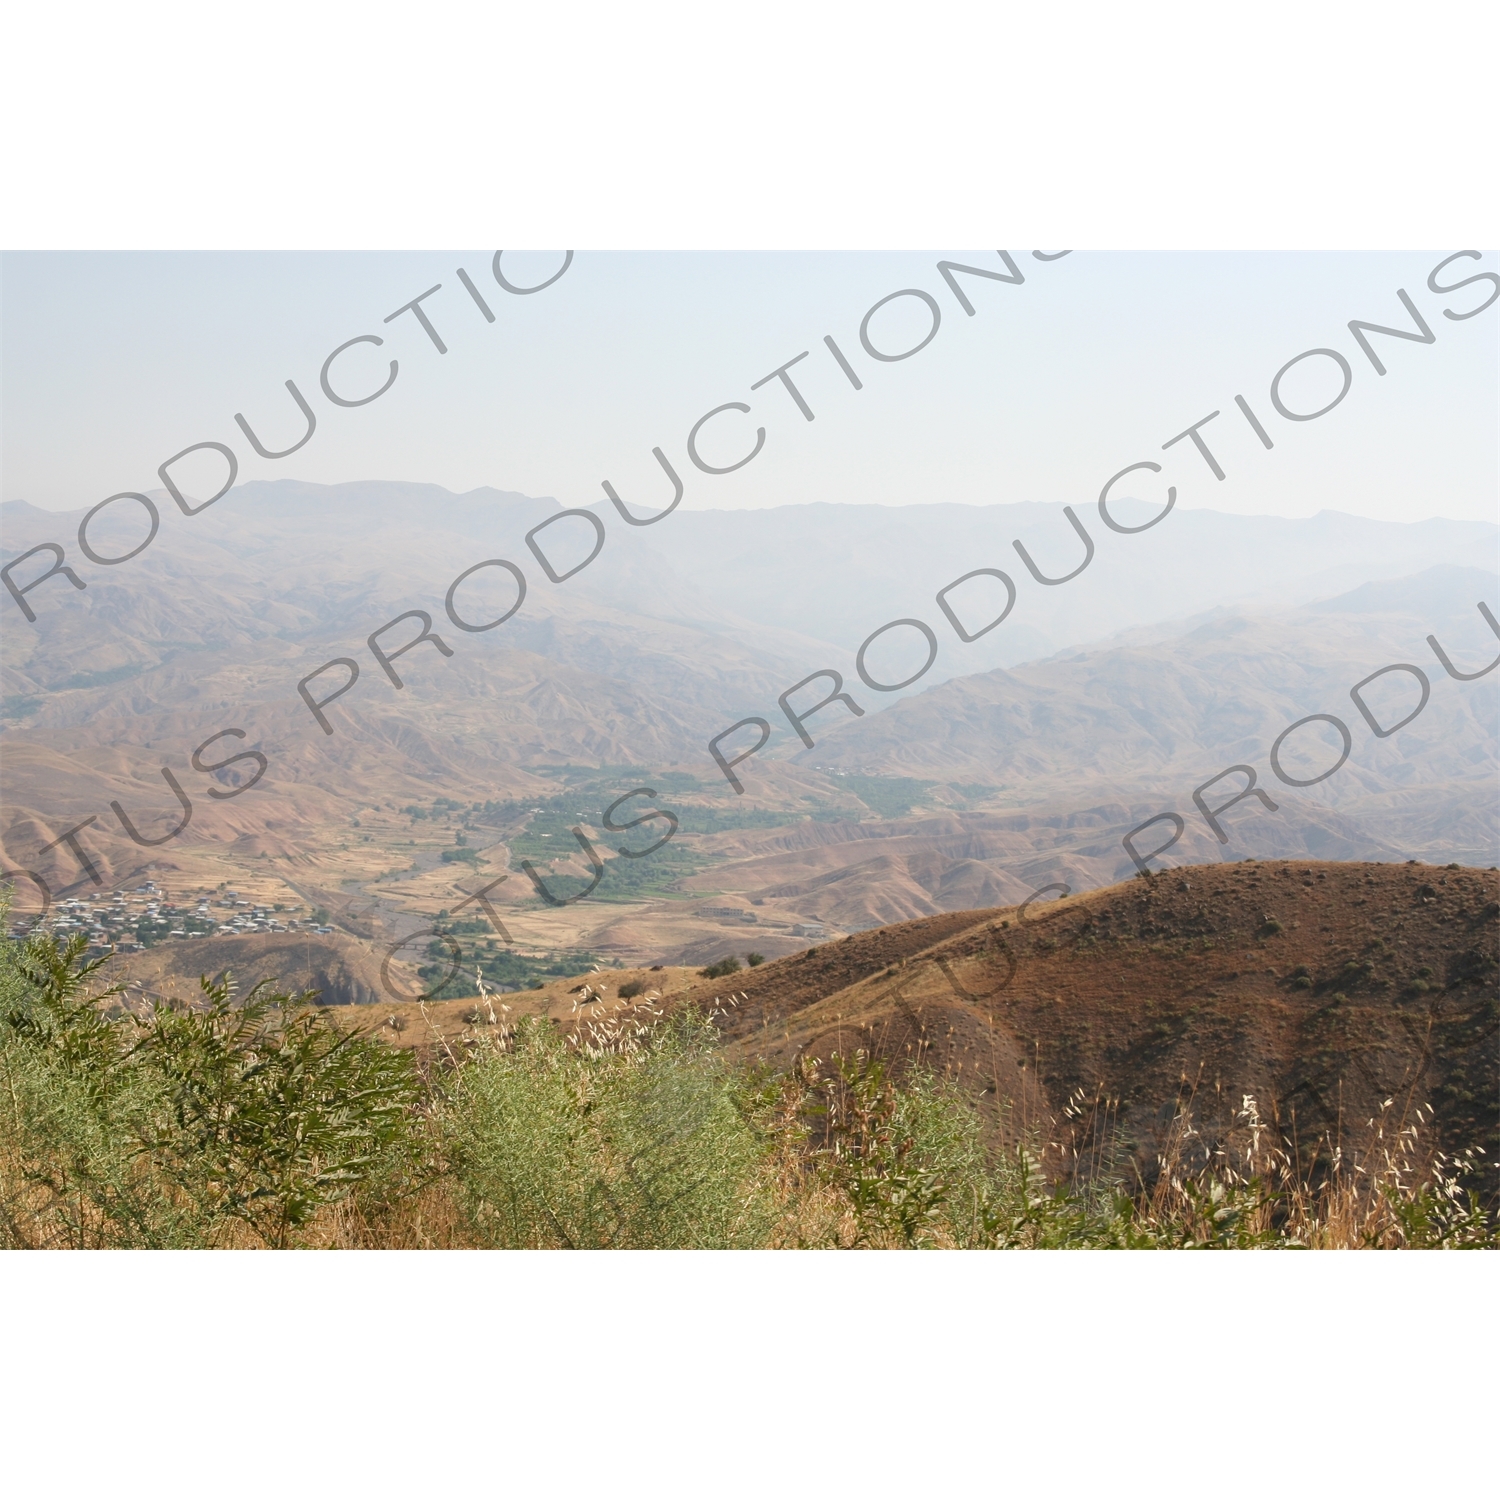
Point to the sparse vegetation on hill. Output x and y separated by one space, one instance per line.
1377 982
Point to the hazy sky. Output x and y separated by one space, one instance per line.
114 362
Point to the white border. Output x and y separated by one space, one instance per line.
1288 124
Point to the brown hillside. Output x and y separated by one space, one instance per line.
1322 989
342 970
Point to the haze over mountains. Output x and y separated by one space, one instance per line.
1176 653
1160 715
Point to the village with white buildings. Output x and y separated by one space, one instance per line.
128 921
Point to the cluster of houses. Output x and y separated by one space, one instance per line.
130 921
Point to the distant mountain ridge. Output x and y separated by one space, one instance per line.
819 571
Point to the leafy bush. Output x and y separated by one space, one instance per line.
631 988
275 1110
632 1148
186 1126
754 959
722 969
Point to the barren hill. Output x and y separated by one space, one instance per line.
1320 989
343 970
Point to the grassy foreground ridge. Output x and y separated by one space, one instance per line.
266 1121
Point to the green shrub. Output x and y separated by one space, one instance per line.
753 959
188 1126
555 1144
275 1110
722 969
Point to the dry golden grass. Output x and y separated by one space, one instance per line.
623 1125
